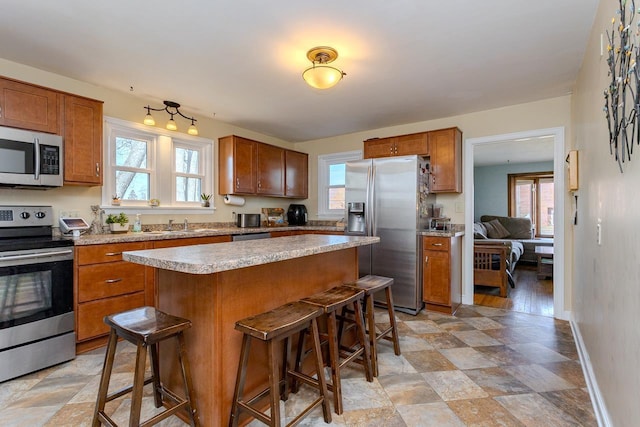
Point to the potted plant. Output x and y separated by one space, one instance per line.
118 223
205 200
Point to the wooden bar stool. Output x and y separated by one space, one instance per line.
370 285
331 301
272 327
145 327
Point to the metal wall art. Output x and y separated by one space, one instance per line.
622 97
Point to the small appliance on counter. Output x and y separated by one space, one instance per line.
440 224
275 217
245 220
297 215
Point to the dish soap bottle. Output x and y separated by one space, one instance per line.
137 225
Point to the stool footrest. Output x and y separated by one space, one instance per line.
125 390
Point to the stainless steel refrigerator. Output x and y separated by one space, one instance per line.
389 198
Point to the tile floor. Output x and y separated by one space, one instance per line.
482 367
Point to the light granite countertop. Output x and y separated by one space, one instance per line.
455 231
213 258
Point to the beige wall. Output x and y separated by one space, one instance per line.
123 105
606 295
536 115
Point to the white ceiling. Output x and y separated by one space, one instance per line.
525 150
406 60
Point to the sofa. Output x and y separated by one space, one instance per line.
501 242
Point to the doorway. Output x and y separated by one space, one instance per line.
559 204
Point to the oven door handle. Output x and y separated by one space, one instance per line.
36 256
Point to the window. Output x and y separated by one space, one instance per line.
531 196
331 183
143 164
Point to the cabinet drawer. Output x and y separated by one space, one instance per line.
436 243
110 279
91 314
95 254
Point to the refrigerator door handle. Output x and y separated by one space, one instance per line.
372 223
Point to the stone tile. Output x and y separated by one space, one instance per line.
89 392
12 390
81 365
456 326
390 364
407 343
428 360
538 378
482 323
19 417
73 414
483 412
534 410
496 381
575 402
503 355
565 347
513 335
467 358
360 394
538 353
53 392
444 340
436 414
490 311
466 311
475 338
453 385
423 327
376 417
569 371
408 389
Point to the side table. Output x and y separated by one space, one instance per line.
545 261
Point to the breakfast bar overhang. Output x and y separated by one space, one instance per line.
217 284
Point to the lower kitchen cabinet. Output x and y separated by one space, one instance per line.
442 273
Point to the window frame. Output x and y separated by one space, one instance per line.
161 157
202 167
535 177
324 162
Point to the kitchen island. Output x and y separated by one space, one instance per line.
216 285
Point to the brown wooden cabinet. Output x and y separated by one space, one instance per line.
445 148
296 174
442 273
105 284
270 170
403 145
247 167
82 132
27 106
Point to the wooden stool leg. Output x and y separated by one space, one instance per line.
138 384
334 362
366 358
326 409
186 378
298 362
106 377
240 379
274 384
155 372
286 351
371 328
392 320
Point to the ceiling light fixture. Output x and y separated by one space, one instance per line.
320 75
172 108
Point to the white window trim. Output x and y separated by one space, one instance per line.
160 156
324 161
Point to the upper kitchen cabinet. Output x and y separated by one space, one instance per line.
247 167
237 165
403 145
296 174
82 132
27 106
270 170
445 151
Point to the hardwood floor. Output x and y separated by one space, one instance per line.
530 295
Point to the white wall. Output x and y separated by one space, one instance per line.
123 105
606 291
491 186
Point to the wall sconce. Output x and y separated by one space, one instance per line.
320 75
172 108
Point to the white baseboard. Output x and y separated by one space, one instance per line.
599 408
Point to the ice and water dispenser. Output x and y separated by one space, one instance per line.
355 218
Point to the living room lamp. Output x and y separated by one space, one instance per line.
320 75
172 108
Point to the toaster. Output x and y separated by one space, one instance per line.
247 220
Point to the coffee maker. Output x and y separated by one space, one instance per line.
297 215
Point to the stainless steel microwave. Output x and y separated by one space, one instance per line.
30 159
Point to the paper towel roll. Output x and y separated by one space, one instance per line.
233 200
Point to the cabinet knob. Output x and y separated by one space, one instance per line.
436 244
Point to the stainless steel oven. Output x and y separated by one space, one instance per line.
36 292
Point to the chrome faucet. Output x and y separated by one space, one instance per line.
186 225
170 226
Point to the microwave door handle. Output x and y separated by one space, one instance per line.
37 158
